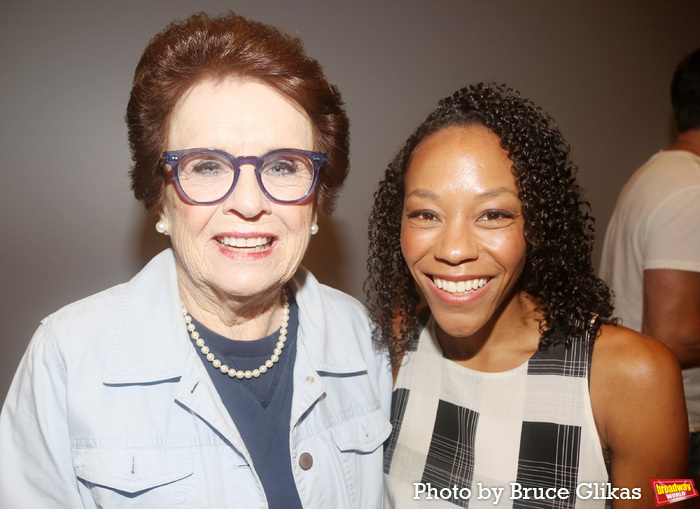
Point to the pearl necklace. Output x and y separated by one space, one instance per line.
231 372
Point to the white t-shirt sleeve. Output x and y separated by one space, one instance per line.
673 233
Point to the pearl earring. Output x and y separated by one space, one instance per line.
161 227
314 229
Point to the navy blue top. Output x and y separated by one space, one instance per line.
261 407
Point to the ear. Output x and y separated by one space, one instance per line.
163 208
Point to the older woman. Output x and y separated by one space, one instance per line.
223 374
516 385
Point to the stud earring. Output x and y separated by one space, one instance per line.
161 227
314 229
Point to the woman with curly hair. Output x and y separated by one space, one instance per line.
499 395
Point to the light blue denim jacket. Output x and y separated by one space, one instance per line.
112 407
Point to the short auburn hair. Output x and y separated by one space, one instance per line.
203 48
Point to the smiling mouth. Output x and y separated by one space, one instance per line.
248 245
460 287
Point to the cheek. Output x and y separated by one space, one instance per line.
185 221
512 249
414 244
407 244
297 221
301 217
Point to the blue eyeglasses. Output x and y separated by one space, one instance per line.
207 176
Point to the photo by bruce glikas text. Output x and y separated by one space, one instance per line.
516 491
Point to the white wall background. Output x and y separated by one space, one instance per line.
70 226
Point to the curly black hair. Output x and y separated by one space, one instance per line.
558 224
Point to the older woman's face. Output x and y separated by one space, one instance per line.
244 118
462 230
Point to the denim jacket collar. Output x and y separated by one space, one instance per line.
151 344
317 323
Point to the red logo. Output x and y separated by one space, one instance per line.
668 491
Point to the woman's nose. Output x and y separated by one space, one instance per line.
247 199
456 244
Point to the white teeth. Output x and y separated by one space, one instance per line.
460 287
258 243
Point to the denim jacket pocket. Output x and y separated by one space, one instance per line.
358 441
363 433
135 477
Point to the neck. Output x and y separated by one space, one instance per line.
242 318
688 141
508 339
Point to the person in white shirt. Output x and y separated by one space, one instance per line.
651 252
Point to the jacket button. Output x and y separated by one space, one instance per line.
306 461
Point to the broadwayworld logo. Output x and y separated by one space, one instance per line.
668 491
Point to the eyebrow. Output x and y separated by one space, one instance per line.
486 195
492 193
423 193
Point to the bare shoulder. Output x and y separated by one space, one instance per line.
623 355
631 374
636 392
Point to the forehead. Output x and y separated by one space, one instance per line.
237 115
466 159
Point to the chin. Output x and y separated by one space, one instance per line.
458 327
250 286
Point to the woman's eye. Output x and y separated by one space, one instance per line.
424 215
495 215
206 168
280 167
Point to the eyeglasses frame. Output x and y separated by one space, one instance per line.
173 157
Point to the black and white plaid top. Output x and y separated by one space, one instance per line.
456 427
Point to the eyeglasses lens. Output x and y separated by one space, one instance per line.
287 176
207 177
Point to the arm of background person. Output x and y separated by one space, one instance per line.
672 312
639 410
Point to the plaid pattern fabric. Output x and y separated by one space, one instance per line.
455 429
